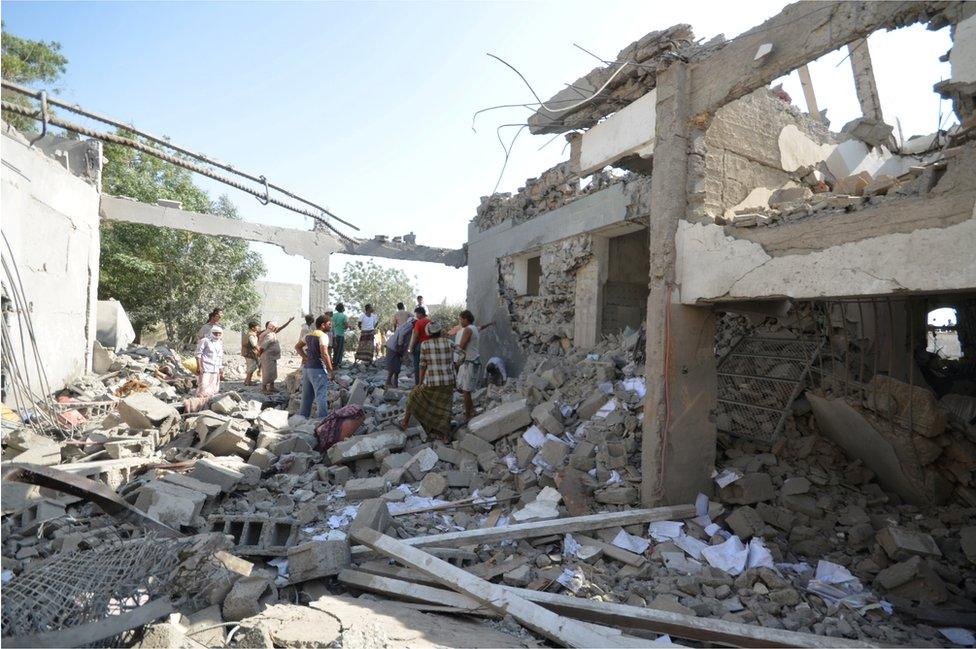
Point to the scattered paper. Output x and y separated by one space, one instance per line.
712 529
572 579
730 556
332 535
630 542
959 636
727 477
571 546
798 568
691 545
405 488
281 564
665 530
606 387
607 408
759 555
414 502
6 575
512 464
614 477
636 385
832 573
701 505
344 517
534 437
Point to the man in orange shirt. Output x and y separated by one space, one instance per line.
419 335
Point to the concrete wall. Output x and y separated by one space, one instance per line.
50 222
606 208
628 131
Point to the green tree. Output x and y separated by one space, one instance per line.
172 276
366 282
29 62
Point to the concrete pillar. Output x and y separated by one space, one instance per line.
318 285
678 446
864 83
590 280
807 84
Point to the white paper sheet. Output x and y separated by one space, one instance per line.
572 578
607 408
701 505
534 436
712 529
630 542
955 635
759 555
413 502
730 556
636 385
727 477
571 546
832 573
665 530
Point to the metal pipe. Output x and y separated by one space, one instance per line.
75 108
148 150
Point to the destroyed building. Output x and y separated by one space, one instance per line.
725 423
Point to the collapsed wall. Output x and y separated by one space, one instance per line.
50 256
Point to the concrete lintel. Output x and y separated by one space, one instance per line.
802 32
306 243
408 251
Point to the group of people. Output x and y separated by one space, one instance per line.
443 362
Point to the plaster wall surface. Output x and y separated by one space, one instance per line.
280 301
629 130
712 266
601 209
50 223
962 58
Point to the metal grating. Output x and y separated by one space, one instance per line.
758 382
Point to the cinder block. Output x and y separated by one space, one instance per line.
500 421
362 488
209 470
317 559
372 514
257 535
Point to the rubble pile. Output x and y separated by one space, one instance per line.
538 495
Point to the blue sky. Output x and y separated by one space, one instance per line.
366 107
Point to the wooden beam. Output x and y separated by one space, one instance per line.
557 526
564 631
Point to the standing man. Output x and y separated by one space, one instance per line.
400 317
250 351
339 321
270 353
307 328
467 359
419 335
420 302
316 368
367 334
212 320
210 362
396 347
430 401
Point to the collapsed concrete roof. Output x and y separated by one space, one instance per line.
642 60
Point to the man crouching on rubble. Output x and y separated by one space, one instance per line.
210 362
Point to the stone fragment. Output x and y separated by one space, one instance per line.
129 448
745 522
475 445
360 446
806 505
592 404
209 489
422 462
336 475
500 421
554 451
317 559
230 439
750 488
621 493
249 596
900 544
262 458
967 539
372 514
363 488
795 486
548 417
214 472
271 420
913 579
789 195
144 411
853 185
432 485
394 461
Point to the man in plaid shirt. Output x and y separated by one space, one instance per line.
431 400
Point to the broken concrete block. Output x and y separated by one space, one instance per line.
214 472
271 420
363 488
170 503
421 463
230 439
473 445
913 579
395 461
621 493
789 195
225 404
554 451
745 522
500 421
337 475
750 488
361 446
317 559
967 539
262 458
519 576
249 596
795 486
357 393
592 404
372 514
900 544
142 410
432 485
39 511
548 417
207 488
880 185
129 448
806 505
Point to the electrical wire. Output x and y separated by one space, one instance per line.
148 150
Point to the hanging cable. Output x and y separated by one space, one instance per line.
148 150
75 108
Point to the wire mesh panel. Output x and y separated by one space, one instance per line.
757 383
90 585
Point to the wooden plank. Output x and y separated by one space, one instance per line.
564 631
557 526
410 592
675 624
